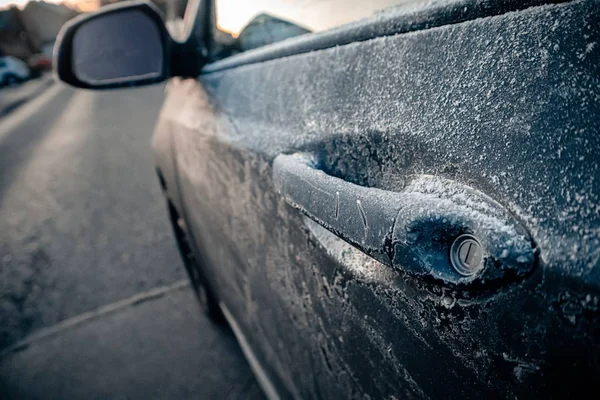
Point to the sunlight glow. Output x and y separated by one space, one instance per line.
316 15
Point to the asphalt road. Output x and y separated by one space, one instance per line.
94 301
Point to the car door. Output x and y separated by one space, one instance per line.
405 206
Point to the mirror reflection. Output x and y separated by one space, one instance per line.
116 47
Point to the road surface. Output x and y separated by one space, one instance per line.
94 301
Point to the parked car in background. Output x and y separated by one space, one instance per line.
38 64
13 70
404 206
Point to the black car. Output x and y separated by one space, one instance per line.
403 206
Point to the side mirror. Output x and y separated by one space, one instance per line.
123 45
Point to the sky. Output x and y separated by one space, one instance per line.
233 15
316 15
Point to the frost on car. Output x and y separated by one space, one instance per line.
405 206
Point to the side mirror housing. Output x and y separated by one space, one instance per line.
119 46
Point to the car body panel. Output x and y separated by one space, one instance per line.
13 66
162 139
507 105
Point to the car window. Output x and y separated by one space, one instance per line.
244 25
2 64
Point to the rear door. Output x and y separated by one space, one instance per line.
405 206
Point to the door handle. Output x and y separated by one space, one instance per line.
434 227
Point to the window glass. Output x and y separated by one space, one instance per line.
247 24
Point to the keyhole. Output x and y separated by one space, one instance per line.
466 255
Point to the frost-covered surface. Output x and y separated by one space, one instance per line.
395 20
508 106
411 230
434 211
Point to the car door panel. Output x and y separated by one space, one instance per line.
506 105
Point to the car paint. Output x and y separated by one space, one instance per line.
15 67
506 104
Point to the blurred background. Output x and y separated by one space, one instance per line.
94 300
28 29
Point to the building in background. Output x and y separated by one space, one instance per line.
15 40
34 29
44 20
